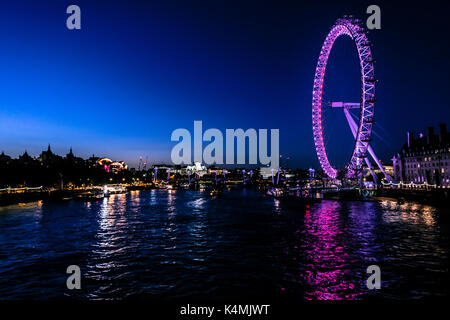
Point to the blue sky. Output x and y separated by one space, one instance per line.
138 70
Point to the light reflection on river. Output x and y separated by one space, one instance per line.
171 244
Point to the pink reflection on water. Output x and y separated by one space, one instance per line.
326 275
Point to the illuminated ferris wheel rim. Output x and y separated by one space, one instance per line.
351 27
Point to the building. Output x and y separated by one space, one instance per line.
424 159
4 158
25 158
197 168
48 156
112 166
389 170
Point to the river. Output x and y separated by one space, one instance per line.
168 245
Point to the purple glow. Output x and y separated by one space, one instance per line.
350 27
327 275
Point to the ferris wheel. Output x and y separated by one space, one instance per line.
353 28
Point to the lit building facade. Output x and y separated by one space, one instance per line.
424 159
112 166
197 168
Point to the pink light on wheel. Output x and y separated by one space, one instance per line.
352 28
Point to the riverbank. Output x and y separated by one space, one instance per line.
25 197
436 197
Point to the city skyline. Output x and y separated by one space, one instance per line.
119 89
216 158
411 134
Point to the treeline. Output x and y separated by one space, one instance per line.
68 172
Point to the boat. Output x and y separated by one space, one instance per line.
115 189
90 196
215 192
291 197
275 192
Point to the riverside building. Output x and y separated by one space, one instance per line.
424 159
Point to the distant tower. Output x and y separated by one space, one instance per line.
312 175
155 174
70 154
145 164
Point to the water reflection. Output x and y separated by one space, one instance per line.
171 198
277 206
326 272
113 246
162 244
362 232
409 213
339 240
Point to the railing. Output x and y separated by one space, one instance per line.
21 189
401 184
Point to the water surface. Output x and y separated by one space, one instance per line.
166 245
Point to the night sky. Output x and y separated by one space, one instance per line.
138 70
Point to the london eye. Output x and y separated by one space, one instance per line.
362 129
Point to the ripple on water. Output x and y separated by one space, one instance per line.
176 244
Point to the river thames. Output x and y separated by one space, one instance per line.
174 245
